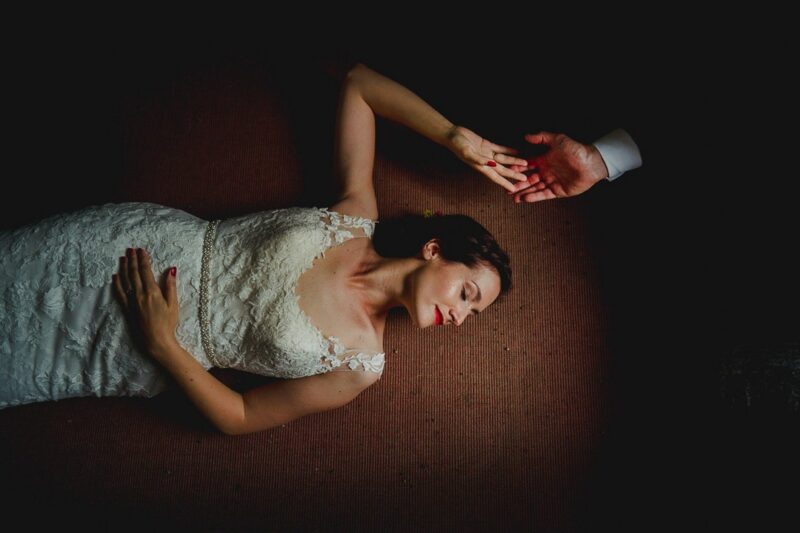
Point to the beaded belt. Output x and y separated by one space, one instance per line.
208 241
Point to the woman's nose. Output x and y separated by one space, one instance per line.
457 320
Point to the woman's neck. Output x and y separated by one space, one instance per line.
381 282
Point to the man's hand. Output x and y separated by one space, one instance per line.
568 168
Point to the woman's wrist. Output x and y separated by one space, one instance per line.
450 135
163 348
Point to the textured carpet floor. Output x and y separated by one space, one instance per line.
491 426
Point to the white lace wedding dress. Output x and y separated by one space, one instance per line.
63 334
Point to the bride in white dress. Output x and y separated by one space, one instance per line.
298 293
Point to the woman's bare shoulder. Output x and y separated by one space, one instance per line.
356 207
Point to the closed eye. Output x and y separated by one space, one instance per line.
464 297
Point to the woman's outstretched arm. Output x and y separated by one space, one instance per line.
365 93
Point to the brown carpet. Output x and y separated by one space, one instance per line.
491 426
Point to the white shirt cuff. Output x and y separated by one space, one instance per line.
619 153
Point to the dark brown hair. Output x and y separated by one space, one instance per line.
461 238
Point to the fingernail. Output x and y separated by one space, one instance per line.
173 271
128 250
491 164
113 277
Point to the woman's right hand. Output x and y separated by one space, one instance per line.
492 160
151 311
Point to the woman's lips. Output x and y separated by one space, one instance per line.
439 317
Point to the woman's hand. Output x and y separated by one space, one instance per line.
152 312
492 160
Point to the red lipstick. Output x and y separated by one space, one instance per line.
439 317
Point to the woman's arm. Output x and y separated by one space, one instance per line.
265 407
154 315
275 404
221 405
365 93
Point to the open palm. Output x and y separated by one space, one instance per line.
568 168
486 157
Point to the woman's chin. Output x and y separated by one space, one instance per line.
425 325
416 322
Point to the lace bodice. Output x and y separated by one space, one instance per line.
252 319
62 334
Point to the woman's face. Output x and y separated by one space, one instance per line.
445 292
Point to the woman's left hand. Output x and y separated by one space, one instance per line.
152 311
492 160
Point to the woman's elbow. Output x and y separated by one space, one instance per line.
358 74
354 69
235 431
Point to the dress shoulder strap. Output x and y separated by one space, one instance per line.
340 359
342 227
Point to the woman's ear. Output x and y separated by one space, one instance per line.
431 249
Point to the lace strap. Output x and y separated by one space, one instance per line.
340 358
340 226
358 362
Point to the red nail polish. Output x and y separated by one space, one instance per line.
128 250
173 271
492 164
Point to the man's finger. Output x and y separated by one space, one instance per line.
539 186
520 186
543 137
538 196
534 162
534 178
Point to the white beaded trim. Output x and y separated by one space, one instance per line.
208 242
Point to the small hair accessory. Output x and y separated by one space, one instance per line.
428 213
